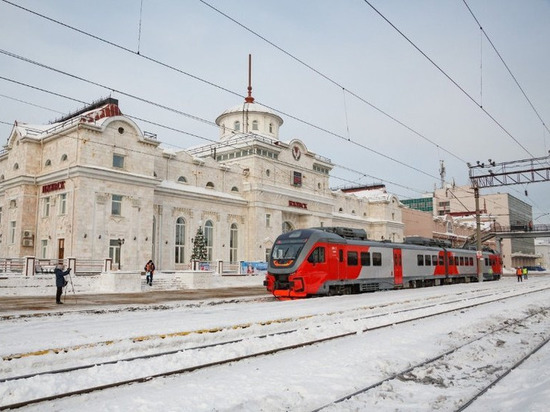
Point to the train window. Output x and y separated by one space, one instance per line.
341 255
441 262
352 258
420 260
471 261
317 256
377 259
365 258
461 260
427 260
486 261
434 260
456 260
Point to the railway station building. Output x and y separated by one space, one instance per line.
94 185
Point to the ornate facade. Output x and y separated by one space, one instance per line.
94 185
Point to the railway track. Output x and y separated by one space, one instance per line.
361 317
422 373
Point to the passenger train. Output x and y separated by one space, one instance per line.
337 261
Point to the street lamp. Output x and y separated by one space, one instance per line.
120 243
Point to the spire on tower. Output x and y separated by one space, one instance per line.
249 98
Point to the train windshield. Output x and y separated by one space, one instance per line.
288 249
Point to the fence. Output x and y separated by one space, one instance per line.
30 265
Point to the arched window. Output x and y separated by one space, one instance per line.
254 125
180 241
237 126
233 243
287 227
210 185
209 239
16 166
48 162
182 179
234 189
64 158
270 127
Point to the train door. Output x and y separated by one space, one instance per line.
397 267
334 261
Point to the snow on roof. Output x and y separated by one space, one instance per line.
250 107
203 191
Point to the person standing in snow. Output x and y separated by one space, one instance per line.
149 270
525 272
60 282
519 274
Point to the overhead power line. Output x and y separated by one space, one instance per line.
237 94
448 77
334 82
506 65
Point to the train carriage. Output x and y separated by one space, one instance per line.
329 261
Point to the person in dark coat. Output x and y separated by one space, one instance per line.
60 282
149 270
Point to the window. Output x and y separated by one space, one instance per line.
434 260
118 161
48 162
340 255
46 206
267 220
297 179
461 260
254 125
237 126
64 158
441 261
365 258
209 239
377 259
428 260
234 189
233 243
210 185
352 258
116 205
420 260
12 231
43 248
63 204
180 241
471 261
317 256
182 179
270 127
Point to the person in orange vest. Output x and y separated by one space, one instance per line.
519 274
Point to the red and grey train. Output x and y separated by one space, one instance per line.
335 261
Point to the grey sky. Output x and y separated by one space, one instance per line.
346 41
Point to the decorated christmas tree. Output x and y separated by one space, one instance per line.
199 247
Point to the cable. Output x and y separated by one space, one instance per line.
334 82
27 60
505 65
237 94
449 78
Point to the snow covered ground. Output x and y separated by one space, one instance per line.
302 379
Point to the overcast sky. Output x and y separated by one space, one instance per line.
345 82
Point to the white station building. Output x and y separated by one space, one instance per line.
93 185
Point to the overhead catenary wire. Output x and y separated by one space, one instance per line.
449 78
197 118
484 33
334 82
157 124
237 94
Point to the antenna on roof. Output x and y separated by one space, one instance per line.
249 98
